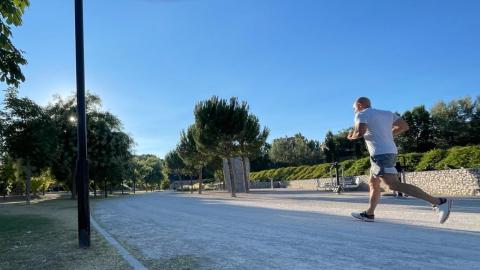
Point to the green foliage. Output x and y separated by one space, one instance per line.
461 157
218 175
410 161
174 163
322 170
296 150
252 138
7 175
27 130
337 147
109 148
346 164
456 157
358 167
419 138
43 181
430 160
11 12
165 184
455 123
192 157
150 170
219 124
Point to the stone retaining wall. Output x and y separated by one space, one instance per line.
460 182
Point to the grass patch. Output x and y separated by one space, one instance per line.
43 235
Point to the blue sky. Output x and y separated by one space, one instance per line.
299 64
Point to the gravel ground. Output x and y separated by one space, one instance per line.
291 229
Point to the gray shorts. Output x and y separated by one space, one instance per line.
382 164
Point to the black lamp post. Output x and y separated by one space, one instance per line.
81 176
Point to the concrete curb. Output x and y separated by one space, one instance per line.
137 265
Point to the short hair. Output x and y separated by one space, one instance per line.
364 101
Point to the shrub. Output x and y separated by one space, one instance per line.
165 184
456 157
410 161
359 167
430 159
461 157
347 164
322 170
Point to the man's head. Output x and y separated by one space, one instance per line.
361 104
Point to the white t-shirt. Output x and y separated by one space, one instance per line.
379 136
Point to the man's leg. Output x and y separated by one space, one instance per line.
391 180
375 194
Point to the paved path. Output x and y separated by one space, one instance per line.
287 229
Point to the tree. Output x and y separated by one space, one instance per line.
330 147
11 12
7 175
43 181
191 155
29 135
296 150
451 122
475 123
219 124
109 149
174 164
251 141
262 160
62 111
419 138
151 170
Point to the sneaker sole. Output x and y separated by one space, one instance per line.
362 218
448 213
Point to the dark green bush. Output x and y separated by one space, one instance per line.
410 161
456 157
347 164
165 184
430 159
359 167
461 157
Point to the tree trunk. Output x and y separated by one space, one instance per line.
134 183
246 181
105 187
200 180
28 175
232 179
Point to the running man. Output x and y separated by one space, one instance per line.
378 128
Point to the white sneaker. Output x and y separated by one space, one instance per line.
443 210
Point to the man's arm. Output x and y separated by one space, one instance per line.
399 127
359 130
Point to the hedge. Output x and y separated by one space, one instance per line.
453 158
430 160
461 157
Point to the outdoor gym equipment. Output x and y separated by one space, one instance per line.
337 170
